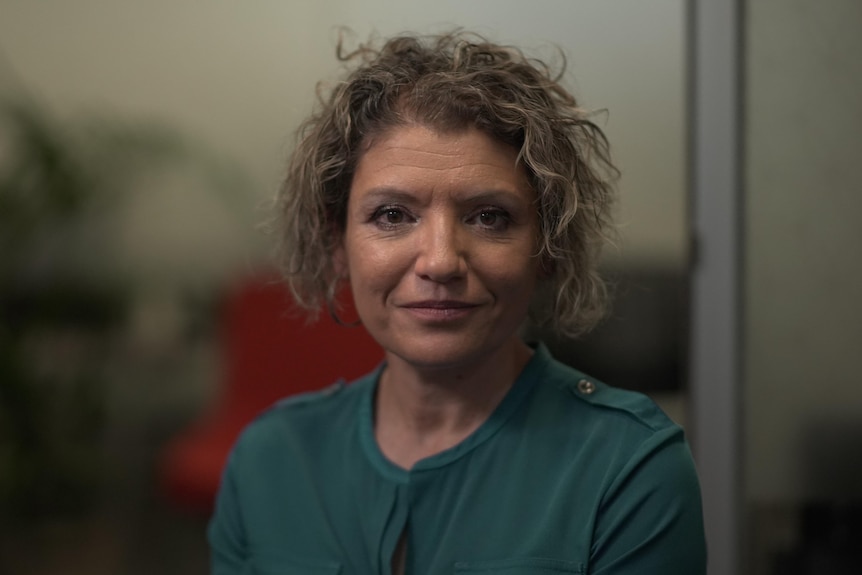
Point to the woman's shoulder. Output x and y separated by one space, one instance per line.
308 415
587 399
611 434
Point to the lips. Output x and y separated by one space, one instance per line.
440 304
440 310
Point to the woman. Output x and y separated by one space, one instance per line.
457 188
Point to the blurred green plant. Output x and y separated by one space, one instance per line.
57 326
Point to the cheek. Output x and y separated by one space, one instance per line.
519 287
516 284
516 268
374 268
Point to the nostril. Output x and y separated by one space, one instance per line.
440 265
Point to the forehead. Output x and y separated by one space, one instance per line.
419 158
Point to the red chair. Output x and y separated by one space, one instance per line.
270 351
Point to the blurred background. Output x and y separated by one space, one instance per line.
140 144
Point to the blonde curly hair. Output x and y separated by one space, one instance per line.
450 82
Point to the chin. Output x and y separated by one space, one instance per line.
444 353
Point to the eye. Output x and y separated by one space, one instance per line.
488 218
493 219
388 217
393 216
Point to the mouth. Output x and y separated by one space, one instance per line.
440 310
440 304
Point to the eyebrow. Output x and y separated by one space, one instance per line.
387 194
495 195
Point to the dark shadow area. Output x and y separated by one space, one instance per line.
642 344
125 527
828 543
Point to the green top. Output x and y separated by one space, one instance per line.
567 475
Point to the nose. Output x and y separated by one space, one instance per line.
441 251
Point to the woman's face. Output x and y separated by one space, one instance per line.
440 245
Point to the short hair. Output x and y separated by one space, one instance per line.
455 81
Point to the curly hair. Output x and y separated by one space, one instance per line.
451 82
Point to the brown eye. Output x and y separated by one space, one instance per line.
492 219
393 216
488 218
390 217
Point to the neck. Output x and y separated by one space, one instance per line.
421 412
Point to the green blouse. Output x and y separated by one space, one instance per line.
567 475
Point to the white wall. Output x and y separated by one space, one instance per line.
803 317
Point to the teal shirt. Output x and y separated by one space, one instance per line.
567 475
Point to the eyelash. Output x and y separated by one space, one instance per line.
500 225
383 211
